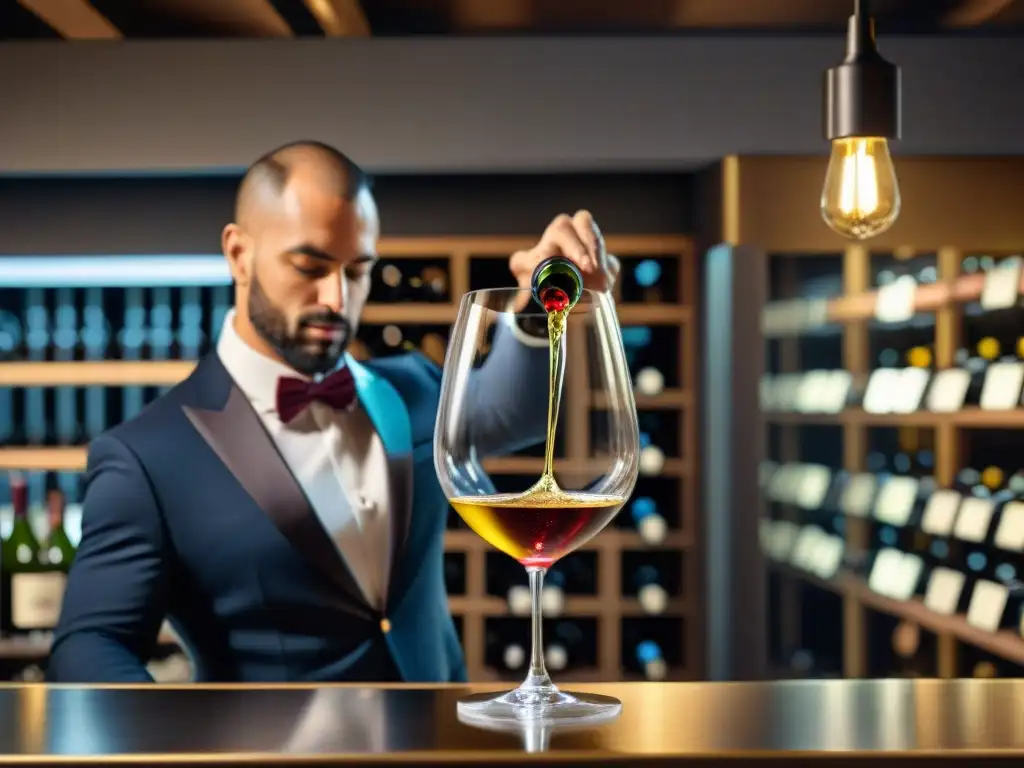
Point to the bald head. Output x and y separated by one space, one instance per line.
300 249
315 166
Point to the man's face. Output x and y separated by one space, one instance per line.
311 257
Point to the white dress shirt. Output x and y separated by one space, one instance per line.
337 458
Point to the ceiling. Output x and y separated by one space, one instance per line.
117 19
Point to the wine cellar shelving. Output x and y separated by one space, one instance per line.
892 484
596 607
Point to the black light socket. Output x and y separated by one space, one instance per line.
862 95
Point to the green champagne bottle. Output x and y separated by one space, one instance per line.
19 555
56 551
557 284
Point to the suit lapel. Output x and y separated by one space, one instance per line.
390 418
236 434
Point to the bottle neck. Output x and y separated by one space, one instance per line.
557 284
55 509
19 501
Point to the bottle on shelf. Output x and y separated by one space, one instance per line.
976 361
563 648
650 593
513 657
649 523
56 551
650 381
19 557
552 596
652 457
430 285
519 600
651 660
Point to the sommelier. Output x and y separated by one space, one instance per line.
280 505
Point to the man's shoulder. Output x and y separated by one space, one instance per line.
150 425
411 373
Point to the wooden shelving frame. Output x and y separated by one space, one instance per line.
952 207
475 606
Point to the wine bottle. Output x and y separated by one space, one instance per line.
1004 378
651 594
56 551
907 646
519 600
430 285
557 284
1008 526
389 287
19 557
652 457
651 660
552 595
977 363
514 656
558 655
650 381
649 524
972 530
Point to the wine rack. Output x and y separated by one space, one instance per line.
882 507
627 605
807 346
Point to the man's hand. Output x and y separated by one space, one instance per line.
578 239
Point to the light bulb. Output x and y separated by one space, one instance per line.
861 197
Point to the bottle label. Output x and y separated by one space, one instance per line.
1002 285
949 390
944 590
974 519
36 599
940 513
988 602
895 502
1002 388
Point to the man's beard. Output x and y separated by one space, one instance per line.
307 355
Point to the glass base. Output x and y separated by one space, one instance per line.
545 706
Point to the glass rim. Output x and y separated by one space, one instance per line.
511 290
500 301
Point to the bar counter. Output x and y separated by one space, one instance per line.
773 723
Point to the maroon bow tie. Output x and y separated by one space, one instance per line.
293 395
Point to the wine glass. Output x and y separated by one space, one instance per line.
499 370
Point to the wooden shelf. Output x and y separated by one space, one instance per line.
1004 643
927 298
945 298
976 418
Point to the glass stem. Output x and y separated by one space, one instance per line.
538 676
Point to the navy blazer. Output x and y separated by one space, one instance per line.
191 513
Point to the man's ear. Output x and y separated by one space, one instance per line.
237 248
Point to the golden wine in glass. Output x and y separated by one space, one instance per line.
567 505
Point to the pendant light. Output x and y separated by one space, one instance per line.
861 197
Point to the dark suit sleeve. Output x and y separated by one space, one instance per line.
508 395
117 590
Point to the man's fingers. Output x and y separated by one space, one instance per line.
590 235
563 236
